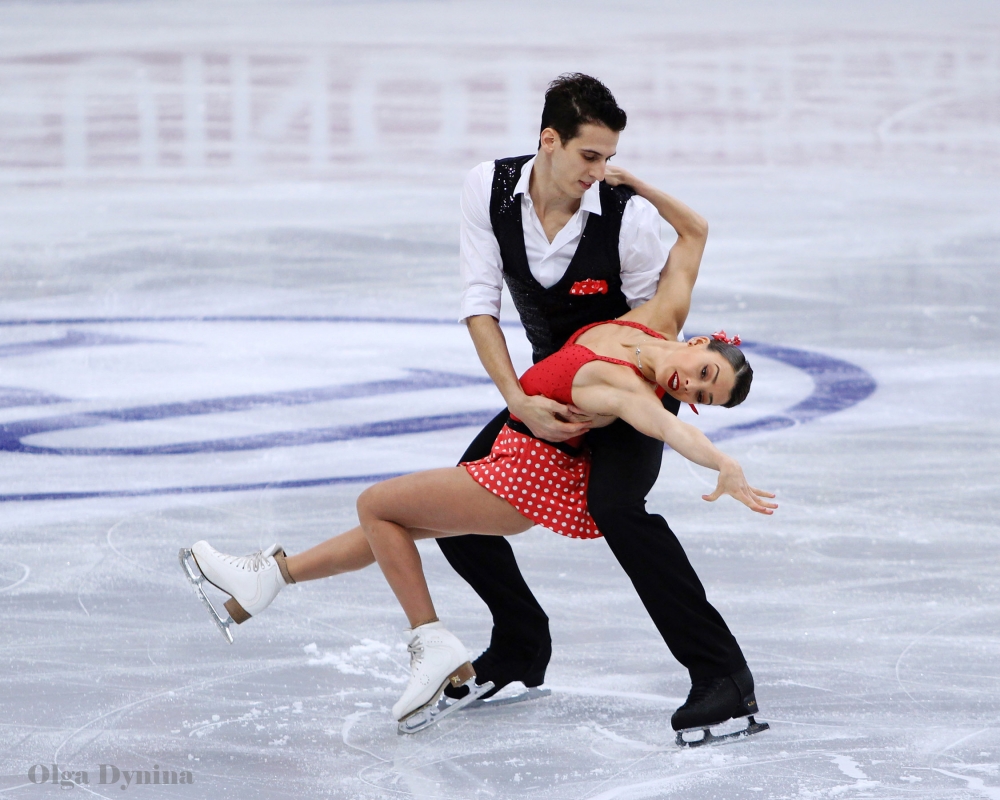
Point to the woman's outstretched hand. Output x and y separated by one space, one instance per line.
734 483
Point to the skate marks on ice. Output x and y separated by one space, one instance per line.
506 751
564 753
916 640
976 785
9 577
584 741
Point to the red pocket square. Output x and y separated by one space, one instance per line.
589 286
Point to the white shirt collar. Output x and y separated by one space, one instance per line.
591 200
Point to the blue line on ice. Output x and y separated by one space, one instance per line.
12 433
838 385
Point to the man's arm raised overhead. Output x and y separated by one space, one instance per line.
668 309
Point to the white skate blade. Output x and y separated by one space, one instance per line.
530 693
709 738
439 707
189 565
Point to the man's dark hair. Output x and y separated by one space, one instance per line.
575 99
740 365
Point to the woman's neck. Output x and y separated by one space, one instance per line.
652 355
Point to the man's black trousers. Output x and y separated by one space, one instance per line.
624 467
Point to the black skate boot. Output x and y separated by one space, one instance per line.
716 700
504 663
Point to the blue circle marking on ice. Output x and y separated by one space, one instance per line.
837 385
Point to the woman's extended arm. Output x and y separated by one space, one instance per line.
668 308
626 397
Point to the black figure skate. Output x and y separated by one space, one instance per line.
713 701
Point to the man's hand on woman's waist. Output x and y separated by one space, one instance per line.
548 419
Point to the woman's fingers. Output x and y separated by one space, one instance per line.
753 504
746 494
750 497
760 493
751 500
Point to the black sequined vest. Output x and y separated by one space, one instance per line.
591 289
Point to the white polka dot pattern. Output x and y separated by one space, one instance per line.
545 484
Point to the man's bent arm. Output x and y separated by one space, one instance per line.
668 309
538 413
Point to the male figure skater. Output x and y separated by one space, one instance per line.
575 250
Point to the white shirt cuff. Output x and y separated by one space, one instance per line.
478 299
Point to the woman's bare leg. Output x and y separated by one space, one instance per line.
347 552
440 502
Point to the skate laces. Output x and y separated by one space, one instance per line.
416 650
254 561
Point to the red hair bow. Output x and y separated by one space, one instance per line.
720 336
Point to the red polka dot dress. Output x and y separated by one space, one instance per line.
546 482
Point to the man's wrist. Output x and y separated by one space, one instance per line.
514 399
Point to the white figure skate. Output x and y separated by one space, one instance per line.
437 658
251 582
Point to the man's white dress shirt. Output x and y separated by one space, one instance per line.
641 252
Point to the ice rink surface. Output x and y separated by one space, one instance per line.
228 242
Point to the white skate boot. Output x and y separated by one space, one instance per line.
251 582
437 658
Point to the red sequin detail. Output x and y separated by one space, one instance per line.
545 484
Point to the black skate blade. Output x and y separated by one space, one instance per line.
530 693
709 738
189 565
439 708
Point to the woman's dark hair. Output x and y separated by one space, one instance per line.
740 365
575 99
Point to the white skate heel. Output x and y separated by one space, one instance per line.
437 658
251 582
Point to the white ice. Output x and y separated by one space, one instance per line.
201 201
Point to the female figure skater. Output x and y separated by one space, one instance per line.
617 369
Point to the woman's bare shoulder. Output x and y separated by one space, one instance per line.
604 388
607 373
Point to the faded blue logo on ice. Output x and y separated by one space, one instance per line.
837 385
